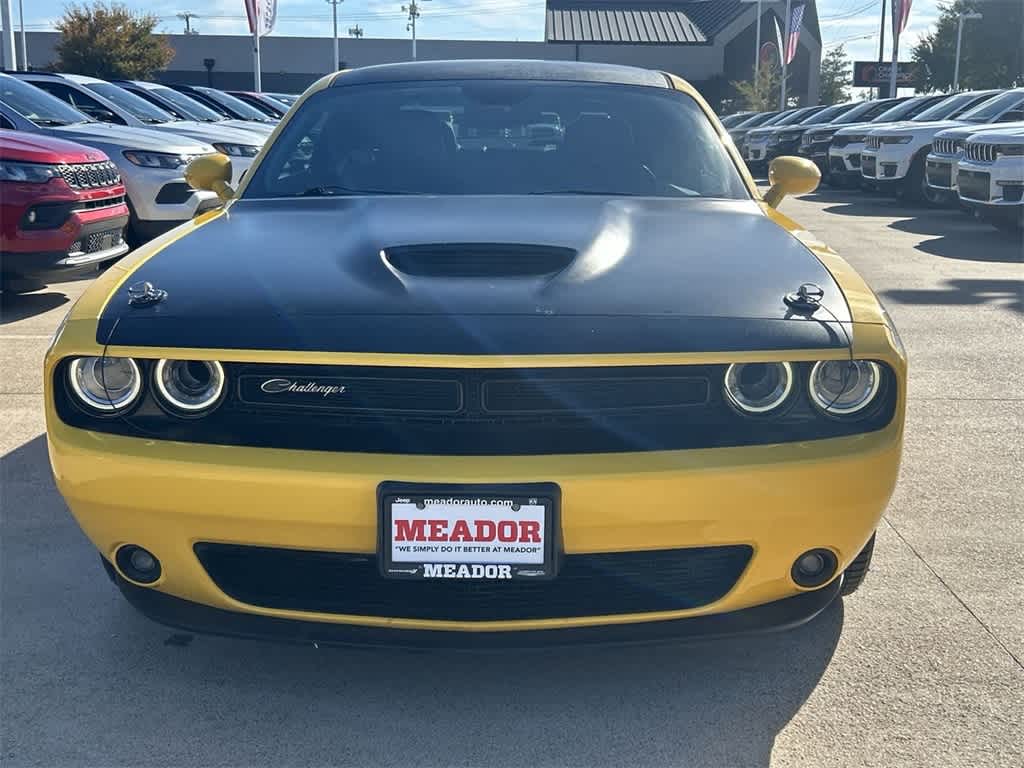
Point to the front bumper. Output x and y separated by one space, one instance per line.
888 163
997 185
940 172
194 617
86 240
845 161
162 195
168 496
757 151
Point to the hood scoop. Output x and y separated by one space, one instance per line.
478 259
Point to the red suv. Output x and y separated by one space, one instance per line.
62 208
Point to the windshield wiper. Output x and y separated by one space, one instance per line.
51 123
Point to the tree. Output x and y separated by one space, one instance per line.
760 94
110 41
836 77
991 56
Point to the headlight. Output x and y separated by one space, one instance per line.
758 387
105 383
821 137
190 386
35 173
843 387
896 139
1010 150
156 159
856 138
789 136
237 150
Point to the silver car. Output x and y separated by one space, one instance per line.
152 163
108 103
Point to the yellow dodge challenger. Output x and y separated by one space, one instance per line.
482 353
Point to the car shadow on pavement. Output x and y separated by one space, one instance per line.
958 236
1006 293
115 686
20 306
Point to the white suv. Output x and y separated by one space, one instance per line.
990 176
940 167
894 156
848 141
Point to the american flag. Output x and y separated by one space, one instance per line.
796 18
900 16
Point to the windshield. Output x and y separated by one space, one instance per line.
864 111
908 109
285 98
757 120
239 107
990 110
129 102
498 137
187 106
950 107
730 120
796 117
827 115
37 105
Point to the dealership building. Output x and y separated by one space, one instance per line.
709 42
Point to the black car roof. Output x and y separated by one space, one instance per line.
498 69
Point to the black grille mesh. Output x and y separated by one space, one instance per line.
586 585
90 175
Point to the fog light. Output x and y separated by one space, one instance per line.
814 567
138 564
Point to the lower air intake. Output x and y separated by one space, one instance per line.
586 585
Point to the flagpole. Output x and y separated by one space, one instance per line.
895 51
258 86
785 56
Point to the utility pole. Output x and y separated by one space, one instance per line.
959 34
413 9
187 17
337 55
881 44
355 31
10 61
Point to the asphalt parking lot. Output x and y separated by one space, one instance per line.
922 667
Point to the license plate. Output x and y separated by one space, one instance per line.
481 532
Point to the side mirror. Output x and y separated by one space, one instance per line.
790 176
211 173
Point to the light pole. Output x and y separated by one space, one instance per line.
959 34
337 55
10 61
24 47
757 40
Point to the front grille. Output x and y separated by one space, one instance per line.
489 412
867 166
946 146
974 185
980 153
586 585
872 142
90 175
840 141
939 174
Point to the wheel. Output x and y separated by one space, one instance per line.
858 569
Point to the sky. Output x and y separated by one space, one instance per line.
853 22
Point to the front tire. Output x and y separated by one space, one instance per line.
858 569
914 188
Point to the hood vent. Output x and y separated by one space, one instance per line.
478 259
